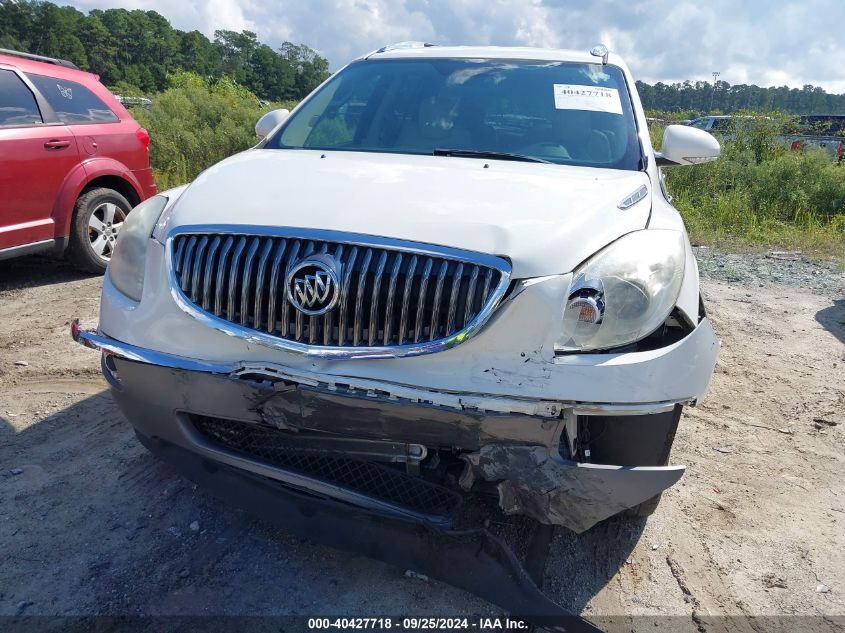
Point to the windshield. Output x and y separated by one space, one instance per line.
566 113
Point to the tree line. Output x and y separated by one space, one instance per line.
135 51
699 97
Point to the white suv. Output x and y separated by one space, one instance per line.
447 270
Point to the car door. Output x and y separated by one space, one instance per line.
36 154
92 119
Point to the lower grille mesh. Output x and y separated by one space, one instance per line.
368 478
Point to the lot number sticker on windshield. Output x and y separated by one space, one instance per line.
595 98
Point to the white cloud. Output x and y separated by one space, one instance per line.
768 42
188 15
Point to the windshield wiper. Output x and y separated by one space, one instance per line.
477 153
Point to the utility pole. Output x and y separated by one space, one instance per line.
716 74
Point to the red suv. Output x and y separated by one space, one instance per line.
73 161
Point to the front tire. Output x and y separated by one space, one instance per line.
97 219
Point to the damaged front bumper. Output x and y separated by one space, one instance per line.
532 451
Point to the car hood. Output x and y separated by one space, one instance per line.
545 219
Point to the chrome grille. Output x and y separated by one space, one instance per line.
392 294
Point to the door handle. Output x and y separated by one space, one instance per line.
56 144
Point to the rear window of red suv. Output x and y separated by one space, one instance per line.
72 102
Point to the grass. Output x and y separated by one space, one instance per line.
759 194
745 213
198 122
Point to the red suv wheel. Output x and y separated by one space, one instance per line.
97 220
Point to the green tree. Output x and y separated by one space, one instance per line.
310 69
141 47
197 122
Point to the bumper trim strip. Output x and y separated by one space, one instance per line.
109 346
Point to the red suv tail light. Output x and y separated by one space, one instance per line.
144 137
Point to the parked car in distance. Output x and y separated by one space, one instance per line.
802 132
145 102
449 271
809 131
708 123
73 162
722 124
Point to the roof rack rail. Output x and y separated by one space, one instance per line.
400 45
40 58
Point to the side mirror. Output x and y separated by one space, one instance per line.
683 145
269 121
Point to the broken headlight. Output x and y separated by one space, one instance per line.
126 268
624 292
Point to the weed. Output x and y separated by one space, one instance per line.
761 193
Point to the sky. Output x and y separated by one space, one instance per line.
766 42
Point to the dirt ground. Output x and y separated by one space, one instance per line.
92 524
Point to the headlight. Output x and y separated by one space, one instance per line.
126 268
625 292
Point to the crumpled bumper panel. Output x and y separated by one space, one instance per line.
516 451
561 492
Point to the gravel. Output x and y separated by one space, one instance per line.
789 268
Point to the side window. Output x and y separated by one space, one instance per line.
73 102
17 104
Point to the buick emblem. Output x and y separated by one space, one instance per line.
313 286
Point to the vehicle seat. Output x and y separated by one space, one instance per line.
437 125
598 147
582 134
